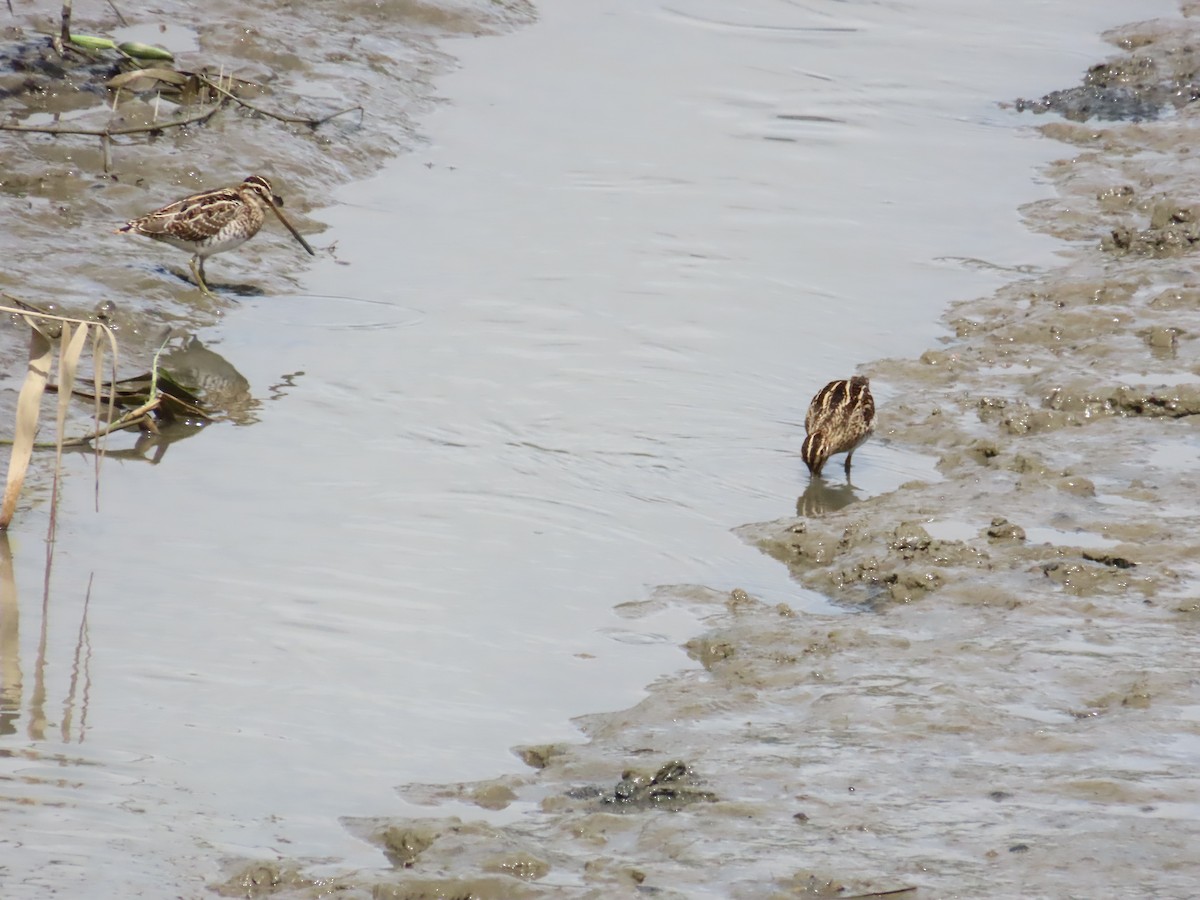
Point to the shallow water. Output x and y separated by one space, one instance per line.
564 346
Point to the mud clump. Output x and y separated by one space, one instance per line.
263 879
672 787
1003 530
1083 404
861 565
1172 231
403 846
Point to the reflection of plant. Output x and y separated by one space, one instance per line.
14 698
72 335
146 401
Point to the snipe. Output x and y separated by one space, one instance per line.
214 221
839 419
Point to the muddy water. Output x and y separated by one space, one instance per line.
549 357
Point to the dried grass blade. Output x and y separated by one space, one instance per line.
29 403
97 384
68 365
70 349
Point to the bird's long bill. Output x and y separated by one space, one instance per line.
295 233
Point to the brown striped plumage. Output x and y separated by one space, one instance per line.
839 419
214 221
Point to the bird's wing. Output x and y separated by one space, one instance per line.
193 218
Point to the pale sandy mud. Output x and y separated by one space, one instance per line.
1009 706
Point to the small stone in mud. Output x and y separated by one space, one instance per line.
999 795
1019 848
1003 530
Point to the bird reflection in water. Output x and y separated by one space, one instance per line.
822 497
208 387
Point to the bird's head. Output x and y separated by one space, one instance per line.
815 451
260 189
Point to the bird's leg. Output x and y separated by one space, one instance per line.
198 273
848 457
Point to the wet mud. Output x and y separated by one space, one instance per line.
1007 706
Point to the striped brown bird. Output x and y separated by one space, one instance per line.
214 221
839 419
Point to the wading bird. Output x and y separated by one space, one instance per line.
212 222
839 419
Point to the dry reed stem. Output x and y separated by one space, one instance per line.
28 408
29 400
65 37
70 349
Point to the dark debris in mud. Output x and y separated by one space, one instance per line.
34 77
1160 76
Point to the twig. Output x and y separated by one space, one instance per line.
113 132
316 123
299 120
133 417
117 12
